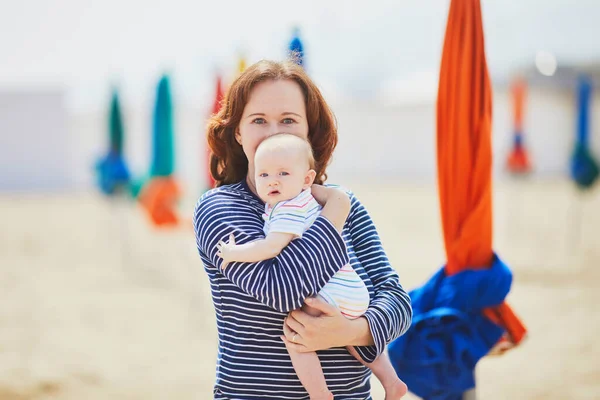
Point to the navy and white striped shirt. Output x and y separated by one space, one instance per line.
252 300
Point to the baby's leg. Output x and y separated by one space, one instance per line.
385 372
309 371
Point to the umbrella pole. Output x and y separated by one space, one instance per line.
469 395
123 235
515 198
576 222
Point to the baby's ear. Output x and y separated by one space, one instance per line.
309 179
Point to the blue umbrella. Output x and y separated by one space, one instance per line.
449 334
112 172
296 48
584 169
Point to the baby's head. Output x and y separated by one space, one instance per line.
283 167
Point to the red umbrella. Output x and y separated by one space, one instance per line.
219 94
464 152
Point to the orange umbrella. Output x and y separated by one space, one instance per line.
459 314
464 152
518 159
159 197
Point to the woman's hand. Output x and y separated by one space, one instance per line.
305 333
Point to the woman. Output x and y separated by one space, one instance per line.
255 305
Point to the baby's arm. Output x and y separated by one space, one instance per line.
259 250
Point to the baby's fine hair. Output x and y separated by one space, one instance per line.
287 140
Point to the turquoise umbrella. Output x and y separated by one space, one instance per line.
161 192
163 154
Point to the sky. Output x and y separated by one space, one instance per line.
354 49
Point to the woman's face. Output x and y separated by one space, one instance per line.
273 107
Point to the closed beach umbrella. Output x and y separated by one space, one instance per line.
584 168
112 172
296 48
163 161
216 106
160 194
460 314
518 158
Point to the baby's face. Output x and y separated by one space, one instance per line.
280 175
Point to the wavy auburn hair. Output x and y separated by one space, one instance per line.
228 163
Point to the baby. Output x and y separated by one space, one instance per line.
284 173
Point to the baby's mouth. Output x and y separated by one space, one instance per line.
273 192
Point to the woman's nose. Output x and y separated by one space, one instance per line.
274 129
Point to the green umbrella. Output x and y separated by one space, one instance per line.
116 125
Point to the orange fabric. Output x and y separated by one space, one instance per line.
159 197
518 93
518 161
464 150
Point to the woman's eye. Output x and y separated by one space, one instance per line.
259 121
288 121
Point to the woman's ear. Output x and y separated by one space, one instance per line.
238 136
309 179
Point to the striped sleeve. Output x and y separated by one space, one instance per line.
283 282
390 313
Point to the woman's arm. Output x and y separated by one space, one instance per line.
389 314
337 207
284 282
330 329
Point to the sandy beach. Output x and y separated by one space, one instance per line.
97 304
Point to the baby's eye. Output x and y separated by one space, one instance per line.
263 175
288 121
259 121
283 173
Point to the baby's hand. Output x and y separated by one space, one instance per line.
323 194
225 250
320 193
